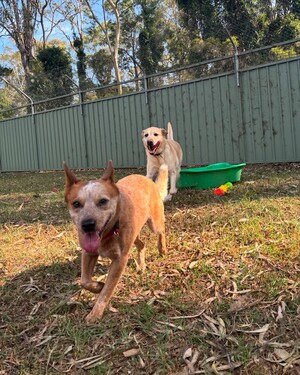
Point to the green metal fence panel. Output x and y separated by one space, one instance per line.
271 115
18 145
113 128
214 119
61 137
205 118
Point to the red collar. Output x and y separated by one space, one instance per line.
115 230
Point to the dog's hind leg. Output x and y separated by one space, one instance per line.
141 253
173 180
88 262
157 225
162 248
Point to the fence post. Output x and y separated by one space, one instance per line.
147 100
236 56
80 93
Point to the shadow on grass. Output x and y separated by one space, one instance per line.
42 312
38 292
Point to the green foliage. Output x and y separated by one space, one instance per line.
240 23
4 71
150 37
5 103
282 28
5 97
52 77
253 24
202 18
81 63
102 65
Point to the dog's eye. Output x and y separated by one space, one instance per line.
76 204
155 134
102 202
146 135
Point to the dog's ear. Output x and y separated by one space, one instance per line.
164 132
109 173
143 133
71 179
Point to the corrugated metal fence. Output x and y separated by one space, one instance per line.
214 120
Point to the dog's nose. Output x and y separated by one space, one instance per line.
88 225
150 143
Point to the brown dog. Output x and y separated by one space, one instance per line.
162 149
109 218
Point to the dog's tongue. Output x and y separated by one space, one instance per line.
90 242
155 147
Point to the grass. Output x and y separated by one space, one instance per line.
225 300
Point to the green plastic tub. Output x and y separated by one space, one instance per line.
210 176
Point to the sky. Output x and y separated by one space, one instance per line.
5 42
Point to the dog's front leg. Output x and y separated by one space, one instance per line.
88 262
115 271
151 171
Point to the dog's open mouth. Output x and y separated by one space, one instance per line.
91 240
153 147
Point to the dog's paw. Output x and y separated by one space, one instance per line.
168 198
96 314
92 318
140 266
93 286
173 191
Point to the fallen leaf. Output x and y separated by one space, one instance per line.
193 264
113 309
131 352
187 353
260 330
142 363
170 325
282 354
69 348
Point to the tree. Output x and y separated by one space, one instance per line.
52 77
151 47
19 19
84 82
240 23
102 67
253 23
12 71
202 18
53 15
131 25
5 100
72 12
112 37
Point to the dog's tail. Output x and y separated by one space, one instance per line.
162 181
170 132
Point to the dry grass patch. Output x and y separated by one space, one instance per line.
225 300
